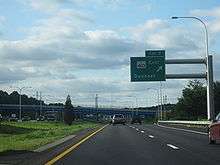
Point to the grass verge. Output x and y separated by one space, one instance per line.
31 135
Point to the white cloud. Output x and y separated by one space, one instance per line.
214 14
63 53
2 19
51 6
43 5
10 75
159 34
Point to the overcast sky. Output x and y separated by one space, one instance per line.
83 47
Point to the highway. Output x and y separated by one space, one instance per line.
143 144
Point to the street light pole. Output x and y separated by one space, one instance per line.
20 110
158 101
133 106
209 71
20 103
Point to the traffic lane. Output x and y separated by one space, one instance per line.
194 143
122 145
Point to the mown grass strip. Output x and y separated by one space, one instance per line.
31 135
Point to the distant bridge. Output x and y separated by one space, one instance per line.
11 108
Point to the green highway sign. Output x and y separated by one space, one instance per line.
155 53
149 68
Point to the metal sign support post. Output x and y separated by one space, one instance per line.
208 76
161 102
210 88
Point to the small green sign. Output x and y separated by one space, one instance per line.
149 68
155 53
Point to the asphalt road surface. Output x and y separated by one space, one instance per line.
144 144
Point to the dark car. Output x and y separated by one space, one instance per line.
118 119
41 118
26 118
214 130
51 117
136 119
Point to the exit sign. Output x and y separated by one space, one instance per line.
149 68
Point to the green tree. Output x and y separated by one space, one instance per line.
68 111
192 105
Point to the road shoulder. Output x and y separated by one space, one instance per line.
31 157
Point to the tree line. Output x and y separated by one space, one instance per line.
13 98
192 105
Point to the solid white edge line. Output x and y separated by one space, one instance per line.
172 146
181 129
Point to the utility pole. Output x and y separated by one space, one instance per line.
20 115
164 107
158 102
20 108
36 113
96 106
96 101
40 103
37 95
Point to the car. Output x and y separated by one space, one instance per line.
136 119
51 117
41 118
13 118
214 130
118 119
26 118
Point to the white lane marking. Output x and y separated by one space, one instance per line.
181 129
172 146
142 131
151 136
137 129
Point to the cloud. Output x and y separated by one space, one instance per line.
65 53
45 5
62 38
56 44
2 19
214 14
159 34
54 5
9 75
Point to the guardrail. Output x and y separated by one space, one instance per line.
185 122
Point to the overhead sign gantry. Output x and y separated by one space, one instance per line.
152 68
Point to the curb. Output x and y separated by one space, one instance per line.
53 144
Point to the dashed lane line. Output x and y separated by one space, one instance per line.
172 146
151 136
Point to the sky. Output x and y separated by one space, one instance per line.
83 47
